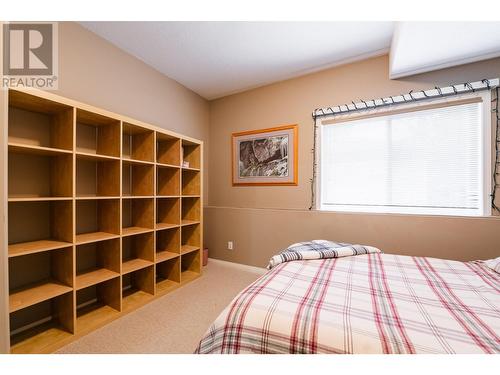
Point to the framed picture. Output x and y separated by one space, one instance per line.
265 157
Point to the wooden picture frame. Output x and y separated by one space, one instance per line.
265 157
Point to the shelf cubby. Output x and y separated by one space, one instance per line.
191 182
97 262
39 226
168 149
137 215
190 238
190 266
42 327
137 179
97 177
98 304
168 275
167 213
168 244
39 123
97 219
137 252
191 210
39 174
138 143
191 153
168 181
97 134
138 287
38 277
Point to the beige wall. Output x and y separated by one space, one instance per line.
94 71
263 220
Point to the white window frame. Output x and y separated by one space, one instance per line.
486 171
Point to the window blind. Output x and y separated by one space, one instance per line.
426 161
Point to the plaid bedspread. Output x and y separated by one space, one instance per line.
374 303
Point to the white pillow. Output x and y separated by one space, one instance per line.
494 264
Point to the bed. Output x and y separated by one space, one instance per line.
367 302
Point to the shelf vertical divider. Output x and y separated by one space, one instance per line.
120 207
73 249
155 197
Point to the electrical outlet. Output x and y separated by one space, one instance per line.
230 245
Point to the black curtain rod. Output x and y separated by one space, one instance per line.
411 97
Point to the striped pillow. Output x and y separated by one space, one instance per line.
494 264
319 249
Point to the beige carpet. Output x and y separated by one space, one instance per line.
174 323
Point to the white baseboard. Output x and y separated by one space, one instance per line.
253 269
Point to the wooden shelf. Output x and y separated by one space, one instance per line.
162 256
133 298
98 209
97 220
47 174
97 134
36 122
137 179
185 249
191 182
94 316
188 276
137 252
168 181
163 165
138 143
189 222
33 247
137 216
137 196
166 286
137 162
93 197
190 265
168 149
36 150
168 274
191 169
162 226
85 238
168 211
36 293
42 339
138 285
192 154
94 157
94 277
134 265
34 221
130 231
190 238
97 177
36 199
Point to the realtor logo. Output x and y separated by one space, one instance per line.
30 55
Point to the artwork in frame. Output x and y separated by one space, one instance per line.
265 156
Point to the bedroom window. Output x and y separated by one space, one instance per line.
430 159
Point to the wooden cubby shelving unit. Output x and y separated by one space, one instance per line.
102 217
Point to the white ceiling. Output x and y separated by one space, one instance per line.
216 59
419 47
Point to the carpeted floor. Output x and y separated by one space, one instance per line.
174 323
